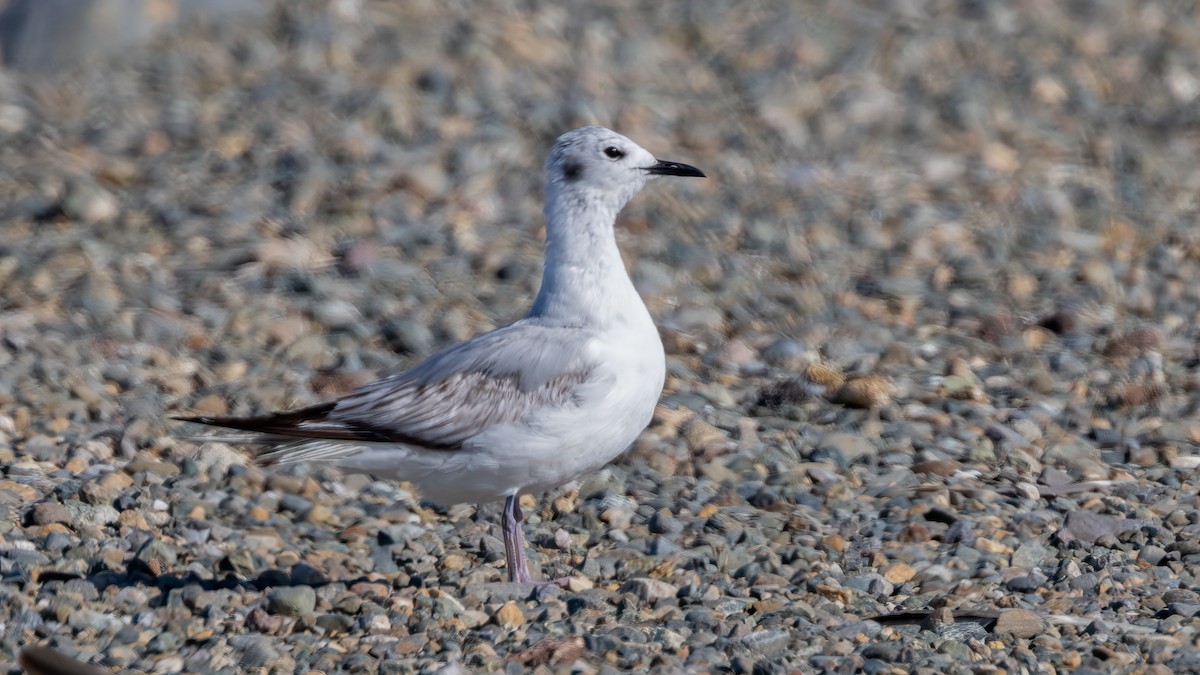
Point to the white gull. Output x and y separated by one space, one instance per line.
527 407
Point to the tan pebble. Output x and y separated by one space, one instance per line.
379 623
1072 659
563 505
197 513
132 519
1022 623
991 546
454 561
289 254
899 573
670 419
836 593
211 405
958 367
510 616
869 392
1050 91
617 518
76 464
1001 157
180 385
285 330
735 353
826 376
259 513
708 510
21 418
24 492
310 488
836 542
53 527
115 480
767 606
319 513
700 434
231 370
937 467
580 584
1022 286
58 425
234 144
1179 462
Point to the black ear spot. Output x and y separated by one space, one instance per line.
572 171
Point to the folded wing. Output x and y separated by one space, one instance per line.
496 378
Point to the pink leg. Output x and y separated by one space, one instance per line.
514 545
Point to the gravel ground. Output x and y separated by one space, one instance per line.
931 328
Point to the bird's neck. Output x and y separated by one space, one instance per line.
584 282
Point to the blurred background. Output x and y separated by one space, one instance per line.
223 171
990 207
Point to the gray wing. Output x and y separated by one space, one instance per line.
447 399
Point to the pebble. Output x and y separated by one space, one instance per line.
47 513
509 616
1021 623
157 557
649 590
292 600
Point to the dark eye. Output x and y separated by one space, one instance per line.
613 152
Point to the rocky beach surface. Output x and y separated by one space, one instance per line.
931 328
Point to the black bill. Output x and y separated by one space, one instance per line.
661 168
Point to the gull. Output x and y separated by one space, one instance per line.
527 407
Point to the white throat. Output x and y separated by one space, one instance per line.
585 282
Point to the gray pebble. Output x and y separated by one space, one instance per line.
291 600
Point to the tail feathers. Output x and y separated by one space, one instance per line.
297 436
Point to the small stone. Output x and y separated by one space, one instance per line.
292 600
899 573
1151 554
509 616
844 448
869 392
378 624
580 584
259 620
649 590
662 522
1030 554
617 517
333 624
319 514
88 202
47 513
701 434
1021 623
825 376
1088 527
156 557
992 546
768 643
